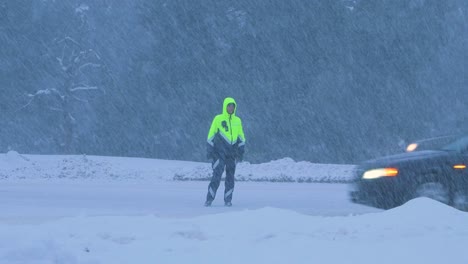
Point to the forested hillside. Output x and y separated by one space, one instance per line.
323 81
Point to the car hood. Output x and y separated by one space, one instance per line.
405 158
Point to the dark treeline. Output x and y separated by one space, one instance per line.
323 81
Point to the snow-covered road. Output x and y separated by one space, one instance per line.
123 222
23 200
102 210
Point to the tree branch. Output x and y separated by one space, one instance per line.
69 39
80 100
90 64
95 53
39 93
84 88
55 109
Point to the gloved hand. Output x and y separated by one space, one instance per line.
240 154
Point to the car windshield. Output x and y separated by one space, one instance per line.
436 143
460 145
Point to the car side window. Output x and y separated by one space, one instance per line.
464 146
464 150
461 145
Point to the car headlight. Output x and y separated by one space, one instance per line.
411 147
379 173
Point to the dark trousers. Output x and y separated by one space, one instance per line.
218 166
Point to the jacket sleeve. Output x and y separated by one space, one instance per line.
210 140
241 143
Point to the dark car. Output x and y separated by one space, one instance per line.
440 173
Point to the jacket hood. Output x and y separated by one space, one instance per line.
227 101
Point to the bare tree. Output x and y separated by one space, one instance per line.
77 65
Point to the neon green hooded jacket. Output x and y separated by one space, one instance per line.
226 136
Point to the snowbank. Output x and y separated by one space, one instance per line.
283 170
17 166
421 231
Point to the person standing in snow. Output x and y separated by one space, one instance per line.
226 143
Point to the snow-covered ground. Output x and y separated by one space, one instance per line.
100 210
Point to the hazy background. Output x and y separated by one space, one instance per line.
323 81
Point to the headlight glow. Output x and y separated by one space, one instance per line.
459 166
379 173
411 147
